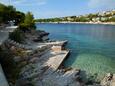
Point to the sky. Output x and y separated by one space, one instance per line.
61 8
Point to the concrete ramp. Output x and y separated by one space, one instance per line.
57 59
3 81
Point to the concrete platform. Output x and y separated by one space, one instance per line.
55 61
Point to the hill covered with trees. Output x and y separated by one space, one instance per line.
107 16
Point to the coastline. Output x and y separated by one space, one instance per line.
103 23
44 63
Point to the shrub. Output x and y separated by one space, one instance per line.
10 68
17 36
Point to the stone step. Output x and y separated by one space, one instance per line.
17 44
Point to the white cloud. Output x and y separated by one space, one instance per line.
108 4
7 2
24 2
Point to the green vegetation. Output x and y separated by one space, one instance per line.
17 36
24 21
29 20
9 13
49 20
108 16
28 23
9 66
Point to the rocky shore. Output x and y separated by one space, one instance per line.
39 63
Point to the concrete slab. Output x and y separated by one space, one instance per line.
3 81
56 60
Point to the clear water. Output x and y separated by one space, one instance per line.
92 46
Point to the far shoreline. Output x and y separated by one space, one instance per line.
102 23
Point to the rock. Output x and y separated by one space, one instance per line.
94 85
109 80
34 60
23 63
109 76
113 80
17 59
23 82
13 48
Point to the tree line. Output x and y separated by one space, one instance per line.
106 17
24 21
9 13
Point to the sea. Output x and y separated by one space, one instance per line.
92 46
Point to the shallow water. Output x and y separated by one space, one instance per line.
92 46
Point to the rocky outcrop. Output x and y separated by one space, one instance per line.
109 80
23 82
18 45
37 36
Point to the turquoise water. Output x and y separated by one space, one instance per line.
92 46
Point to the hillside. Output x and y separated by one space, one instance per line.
107 16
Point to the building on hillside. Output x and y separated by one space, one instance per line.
69 19
96 19
103 18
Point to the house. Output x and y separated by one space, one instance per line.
103 18
96 19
